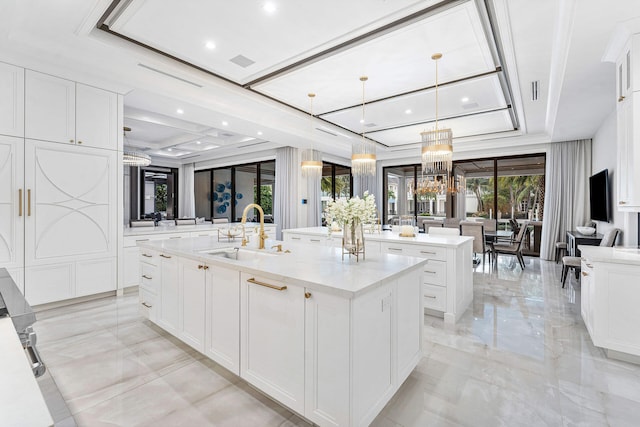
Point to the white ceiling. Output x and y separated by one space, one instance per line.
558 43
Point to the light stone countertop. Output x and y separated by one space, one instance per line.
314 267
390 236
616 254
161 229
21 402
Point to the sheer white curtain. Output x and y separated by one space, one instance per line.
186 199
285 213
314 206
566 201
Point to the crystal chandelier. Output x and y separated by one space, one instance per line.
134 158
437 144
311 163
363 154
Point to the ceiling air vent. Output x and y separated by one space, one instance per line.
370 125
535 90
226 134
326 131
242 61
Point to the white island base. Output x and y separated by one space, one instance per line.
331 340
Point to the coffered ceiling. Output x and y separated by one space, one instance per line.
211 79
296 48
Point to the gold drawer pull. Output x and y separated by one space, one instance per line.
147 255
28 202
314 240
307 295
584 274
144 276
142 240
200 267
430 272
622 203
165 256
295 238
146 305
427 252
20 202
395 249
430 296
266 285
206 267
621 98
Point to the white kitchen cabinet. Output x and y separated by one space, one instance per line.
71 203
628 174
148 269
168 314
624 75
60 110
272 331
223 317
610 297
11 100
12 206
50 108
47 283
192 302
95 276
327 373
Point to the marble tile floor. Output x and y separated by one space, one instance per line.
520 356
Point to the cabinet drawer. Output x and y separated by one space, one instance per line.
147 301
148 256
430 252
435 297
435 273
149 277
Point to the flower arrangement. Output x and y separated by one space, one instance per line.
347 212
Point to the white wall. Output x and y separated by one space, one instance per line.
603 153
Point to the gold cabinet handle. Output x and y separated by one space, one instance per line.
146 305
206 267
622 203
266 285
584 273
200 267
588 265
144 276
307 295
621 98
20 202
396 249
147 255
28 202
71 141
79 142
427 252
430 296
429 271
165 256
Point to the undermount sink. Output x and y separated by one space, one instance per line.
239 254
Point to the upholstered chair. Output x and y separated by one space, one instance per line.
476 230
573 262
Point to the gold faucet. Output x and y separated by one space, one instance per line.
262 236
278 247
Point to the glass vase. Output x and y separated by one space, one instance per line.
353 240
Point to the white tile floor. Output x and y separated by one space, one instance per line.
520 356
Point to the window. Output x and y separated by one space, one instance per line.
336 183
159 192
225 192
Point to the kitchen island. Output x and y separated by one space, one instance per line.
332 340
447 276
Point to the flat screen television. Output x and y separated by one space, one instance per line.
599 197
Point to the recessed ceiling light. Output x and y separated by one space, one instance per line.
259 132
361 120
210 147
465 99
198 142
225 123
169 149
180 111
269 7
407 111
210 45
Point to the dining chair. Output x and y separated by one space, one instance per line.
443 231
574 262
428 223
476 230
513 248
451 222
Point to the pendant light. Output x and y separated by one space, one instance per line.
311 163
437 144
363 154
134 158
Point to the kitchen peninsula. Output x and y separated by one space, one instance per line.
332 340
447 275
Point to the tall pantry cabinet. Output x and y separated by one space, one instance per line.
59 166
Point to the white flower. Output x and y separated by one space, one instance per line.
346 212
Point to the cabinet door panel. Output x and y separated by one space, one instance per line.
95 276
192 303
49 283
11 182
272 354
11 100
223 317
50 107
327 352
131 266
72 197
96 117
169 313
